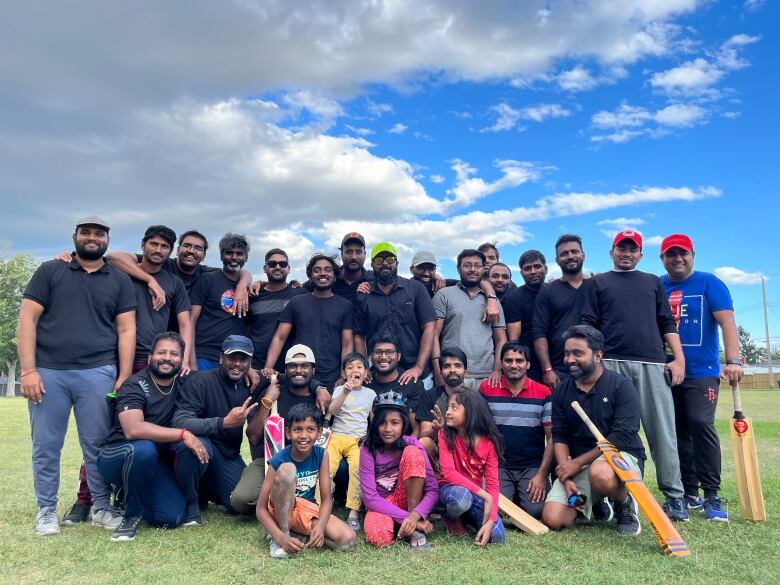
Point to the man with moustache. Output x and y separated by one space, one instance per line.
136 455
400 303
214 408
558 306
76 340
519 306
265 308
213 311
321 320
500 276
351 275
491 258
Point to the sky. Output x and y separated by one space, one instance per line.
435 125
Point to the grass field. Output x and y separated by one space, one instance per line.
232 551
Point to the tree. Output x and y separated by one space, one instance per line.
750 352
15 272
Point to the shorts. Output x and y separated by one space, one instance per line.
302 516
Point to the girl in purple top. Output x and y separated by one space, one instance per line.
396 478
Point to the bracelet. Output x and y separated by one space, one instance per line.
27 372
436 359
267 402
181 434
544 371
492 297
731 362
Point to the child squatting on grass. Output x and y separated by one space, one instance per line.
469 452
397 481
350 407
287 502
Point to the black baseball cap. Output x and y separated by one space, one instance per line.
238 343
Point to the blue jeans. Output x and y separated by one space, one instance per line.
213 481
84 391
204 364
461 503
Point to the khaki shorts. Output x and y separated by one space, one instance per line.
302 516
558 492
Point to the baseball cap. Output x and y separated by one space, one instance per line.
93 220
299 348
238 343
383 247
423 257
353 236
632 235
676 241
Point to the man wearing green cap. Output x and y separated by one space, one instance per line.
401 304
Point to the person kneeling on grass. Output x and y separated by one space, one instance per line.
396 477
469 452
287 499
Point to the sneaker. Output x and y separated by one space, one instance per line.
127 529
627 519
713 510
192 515
602 510
277 552
675 509
46 522
108 518
78 513
693 502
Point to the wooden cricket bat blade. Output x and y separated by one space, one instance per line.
519 518
743 447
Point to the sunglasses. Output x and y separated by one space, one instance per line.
280 264
384 260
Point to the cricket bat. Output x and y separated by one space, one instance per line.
743 446
274 432
670 540
519 518
324 437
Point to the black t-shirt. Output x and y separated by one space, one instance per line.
428 400
171 265
214 292
411 391
519 307
318 323
77 329
149 322
263 318
140 392
343 289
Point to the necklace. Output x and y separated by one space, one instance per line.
170 389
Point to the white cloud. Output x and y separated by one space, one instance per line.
469 188
732 275
576 79
398 128
378 110
508 117
622 222
632 121
754 5
360 131
319 106
625 116
680 115
541 112
438 179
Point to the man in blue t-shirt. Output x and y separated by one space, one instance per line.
700 303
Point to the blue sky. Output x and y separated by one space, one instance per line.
435 125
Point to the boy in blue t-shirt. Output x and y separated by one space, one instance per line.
287 500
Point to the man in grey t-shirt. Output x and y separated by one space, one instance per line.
459 323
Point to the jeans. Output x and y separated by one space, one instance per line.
213 481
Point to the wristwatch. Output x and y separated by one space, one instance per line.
734 362
492 297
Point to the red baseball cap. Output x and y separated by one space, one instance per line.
632 235
676 241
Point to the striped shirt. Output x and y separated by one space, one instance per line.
521 420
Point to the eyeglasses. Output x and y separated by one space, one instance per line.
384 260
274 264
384 352
471 266
193 247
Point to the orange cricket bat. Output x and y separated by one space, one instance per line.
670 540
743 446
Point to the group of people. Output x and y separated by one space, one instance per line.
434 396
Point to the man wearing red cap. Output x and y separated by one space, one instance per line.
700 302
630 309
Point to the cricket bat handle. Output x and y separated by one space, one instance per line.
274 409
589 423
737 401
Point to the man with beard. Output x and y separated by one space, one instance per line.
265 308
399 303
611 402
521 409
214 408
297 385
491 258
136 455
213 311
351 276
520 302
459 312
76 339
321 320
558 306
500 276
630 309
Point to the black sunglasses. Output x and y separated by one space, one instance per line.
274 264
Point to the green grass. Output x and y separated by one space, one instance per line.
231 551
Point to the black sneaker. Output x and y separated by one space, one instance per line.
675 509
127 529
192 515
627 518
78 513
602 510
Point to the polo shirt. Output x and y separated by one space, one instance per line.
406 308
465 329
521 420
214 293
148 322
77 329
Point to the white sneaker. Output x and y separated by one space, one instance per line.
46 522
277 552
108 518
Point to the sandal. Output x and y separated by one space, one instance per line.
419 541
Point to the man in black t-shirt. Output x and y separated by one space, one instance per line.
141 465
500 276
264 309
320 320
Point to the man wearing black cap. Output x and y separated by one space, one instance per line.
76 342
214 408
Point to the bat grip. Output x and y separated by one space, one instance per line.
589 423
737 401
